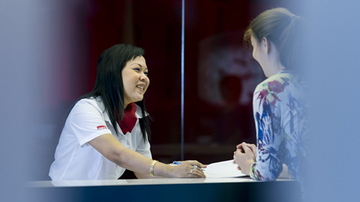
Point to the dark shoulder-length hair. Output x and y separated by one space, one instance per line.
283 29
109 84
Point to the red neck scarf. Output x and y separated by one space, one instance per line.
129 120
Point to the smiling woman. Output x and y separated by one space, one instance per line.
107 131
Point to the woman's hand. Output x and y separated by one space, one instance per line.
190 168
244 157
251 146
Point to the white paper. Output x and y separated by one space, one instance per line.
222 169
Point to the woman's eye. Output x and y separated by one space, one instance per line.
137 69
146 73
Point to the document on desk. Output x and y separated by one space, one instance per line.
222 169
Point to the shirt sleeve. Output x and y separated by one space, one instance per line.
86 121
267 115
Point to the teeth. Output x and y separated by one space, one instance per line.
140 87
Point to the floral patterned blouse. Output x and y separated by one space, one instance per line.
280 120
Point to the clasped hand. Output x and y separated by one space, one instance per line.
245 156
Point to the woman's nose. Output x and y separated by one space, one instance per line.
143 77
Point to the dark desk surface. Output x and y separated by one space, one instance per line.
186 189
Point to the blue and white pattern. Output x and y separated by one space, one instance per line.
280 118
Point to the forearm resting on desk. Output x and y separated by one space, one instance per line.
113 150
145 175
267 175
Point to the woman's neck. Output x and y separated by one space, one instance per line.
275 66
278 68
273 59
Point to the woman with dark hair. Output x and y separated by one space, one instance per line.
107 130
278 102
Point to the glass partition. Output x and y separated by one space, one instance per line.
220 77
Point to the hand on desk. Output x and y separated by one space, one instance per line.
245 156
189 168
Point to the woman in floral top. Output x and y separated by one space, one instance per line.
278 102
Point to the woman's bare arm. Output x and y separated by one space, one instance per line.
113 150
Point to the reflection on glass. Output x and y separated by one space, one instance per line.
227 75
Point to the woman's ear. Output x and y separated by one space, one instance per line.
265 44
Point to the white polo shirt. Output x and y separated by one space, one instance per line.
75 159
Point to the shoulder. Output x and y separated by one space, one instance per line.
276 83
275 88
85 102
89 104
